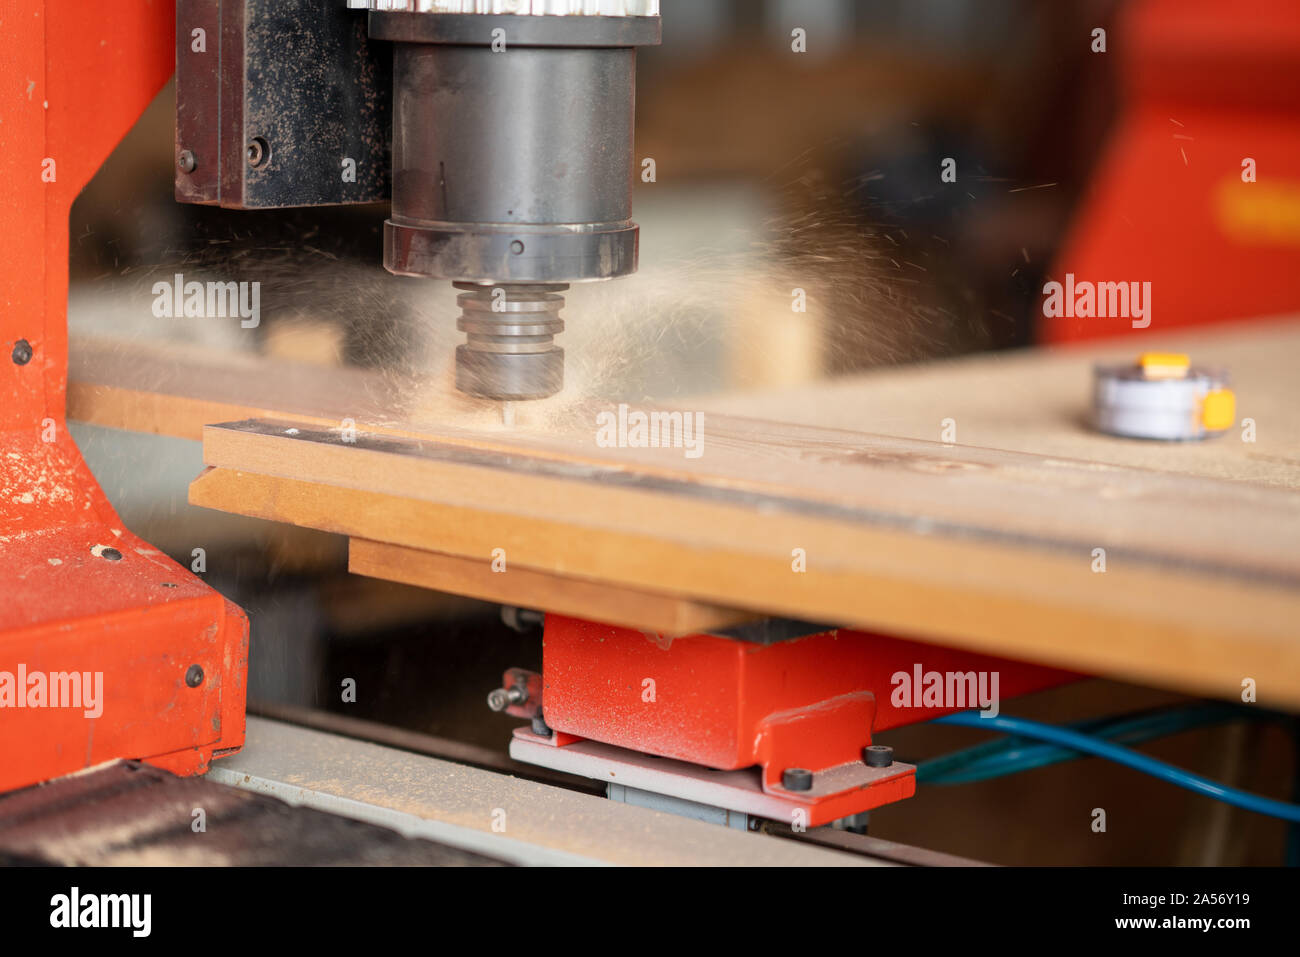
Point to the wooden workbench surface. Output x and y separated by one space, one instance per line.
1036 400
989 543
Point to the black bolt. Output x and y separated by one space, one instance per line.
878 755
540 727
796 779
186 162
112 554
194 676
521 620
22 353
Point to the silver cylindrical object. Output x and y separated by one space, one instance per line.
512 167
1130 401
510 352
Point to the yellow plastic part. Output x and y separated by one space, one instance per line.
1164 365
1218 410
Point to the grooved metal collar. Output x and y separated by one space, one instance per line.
554 8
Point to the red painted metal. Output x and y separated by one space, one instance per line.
76 75
1207 84
812 702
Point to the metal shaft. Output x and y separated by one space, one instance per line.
512 173
510 352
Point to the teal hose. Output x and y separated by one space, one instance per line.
1099 747
1003 756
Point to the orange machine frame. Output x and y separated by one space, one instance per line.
78 593
1207 85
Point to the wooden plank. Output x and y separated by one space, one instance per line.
563 594
964 545
1032 400
769 468
1187 601
173 389
1037 400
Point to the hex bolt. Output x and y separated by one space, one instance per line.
878 755
22 353
521 619
797 779
540 727
502 698
186 162
194 676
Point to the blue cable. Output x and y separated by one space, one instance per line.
1025 728
1011 755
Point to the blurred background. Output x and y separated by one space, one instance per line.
773 172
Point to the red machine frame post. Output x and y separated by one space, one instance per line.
108 649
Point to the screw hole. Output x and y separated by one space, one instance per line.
112 554
516 247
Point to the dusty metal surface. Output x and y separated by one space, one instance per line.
503 817
126 813
418 742
280 103
875 846
198 101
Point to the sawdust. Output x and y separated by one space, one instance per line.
711 309
31 478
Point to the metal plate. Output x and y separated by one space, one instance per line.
740 790
499 815
521 31
298 75
131 814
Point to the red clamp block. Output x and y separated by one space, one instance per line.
806 704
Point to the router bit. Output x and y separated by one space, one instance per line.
512 166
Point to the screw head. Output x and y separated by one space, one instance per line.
258 152
516 247
194 676
22 353
878 755
186 162
797 779
499 699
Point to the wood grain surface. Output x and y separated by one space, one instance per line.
989 543
1199 592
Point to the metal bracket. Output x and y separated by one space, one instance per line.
280 103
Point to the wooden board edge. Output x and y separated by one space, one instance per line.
530 588
1196 644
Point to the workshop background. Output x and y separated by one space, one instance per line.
771 172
